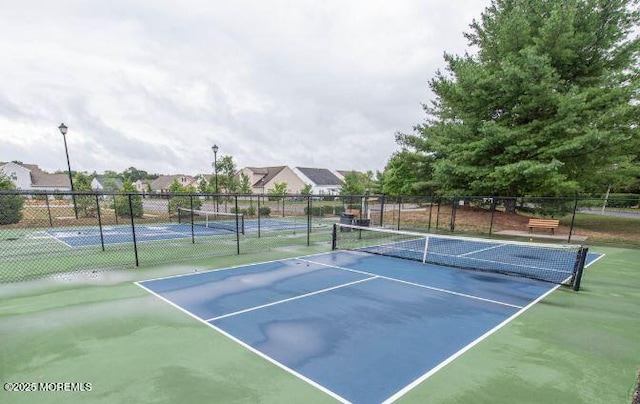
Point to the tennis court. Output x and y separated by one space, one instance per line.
364 326
121 234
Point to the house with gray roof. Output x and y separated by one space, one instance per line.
31 177
322 180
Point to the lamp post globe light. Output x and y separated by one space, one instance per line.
63 129
215 170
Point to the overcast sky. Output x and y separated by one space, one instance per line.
154 84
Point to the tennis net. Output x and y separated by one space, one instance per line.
211 219
560 264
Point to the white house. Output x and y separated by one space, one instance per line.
323 181
31 178
263 179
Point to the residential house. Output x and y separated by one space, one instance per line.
162 183
263 179
141 186
323 181
31 177
104 183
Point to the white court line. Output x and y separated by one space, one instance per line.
250 348
484 249
59 240
291 299
451 292
453 357
450 359
235 267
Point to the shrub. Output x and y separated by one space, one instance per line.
265 211
317 211
623 200
10 209
10 205
122 206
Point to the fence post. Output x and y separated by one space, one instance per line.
237 225
46 198
438 213
133 231
493 212
193 235
430 212
115 211
452 224
100 222
259 216
573 219
382 210
399 209
308 220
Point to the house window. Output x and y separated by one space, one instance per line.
13 176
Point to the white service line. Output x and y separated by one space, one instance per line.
450 359
451 292
291 299
484 249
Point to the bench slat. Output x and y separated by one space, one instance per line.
543 224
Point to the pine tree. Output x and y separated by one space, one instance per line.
548 105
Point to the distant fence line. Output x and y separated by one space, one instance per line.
104 230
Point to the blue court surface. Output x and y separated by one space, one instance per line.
90 236
362 328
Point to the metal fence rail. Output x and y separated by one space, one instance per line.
42 236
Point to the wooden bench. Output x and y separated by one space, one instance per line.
551 224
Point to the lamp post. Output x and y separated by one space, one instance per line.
63 129
215 170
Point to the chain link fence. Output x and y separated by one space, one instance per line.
57 232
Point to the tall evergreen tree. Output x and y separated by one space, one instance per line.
549 103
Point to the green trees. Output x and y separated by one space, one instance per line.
245 184
122 202
408 173
306 190
10 205
548 106
86 204
352 184
182 201
226 175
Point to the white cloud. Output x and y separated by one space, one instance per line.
153 84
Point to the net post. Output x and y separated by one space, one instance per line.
426 246
577 278
237 225
193 236
99 222
133 231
